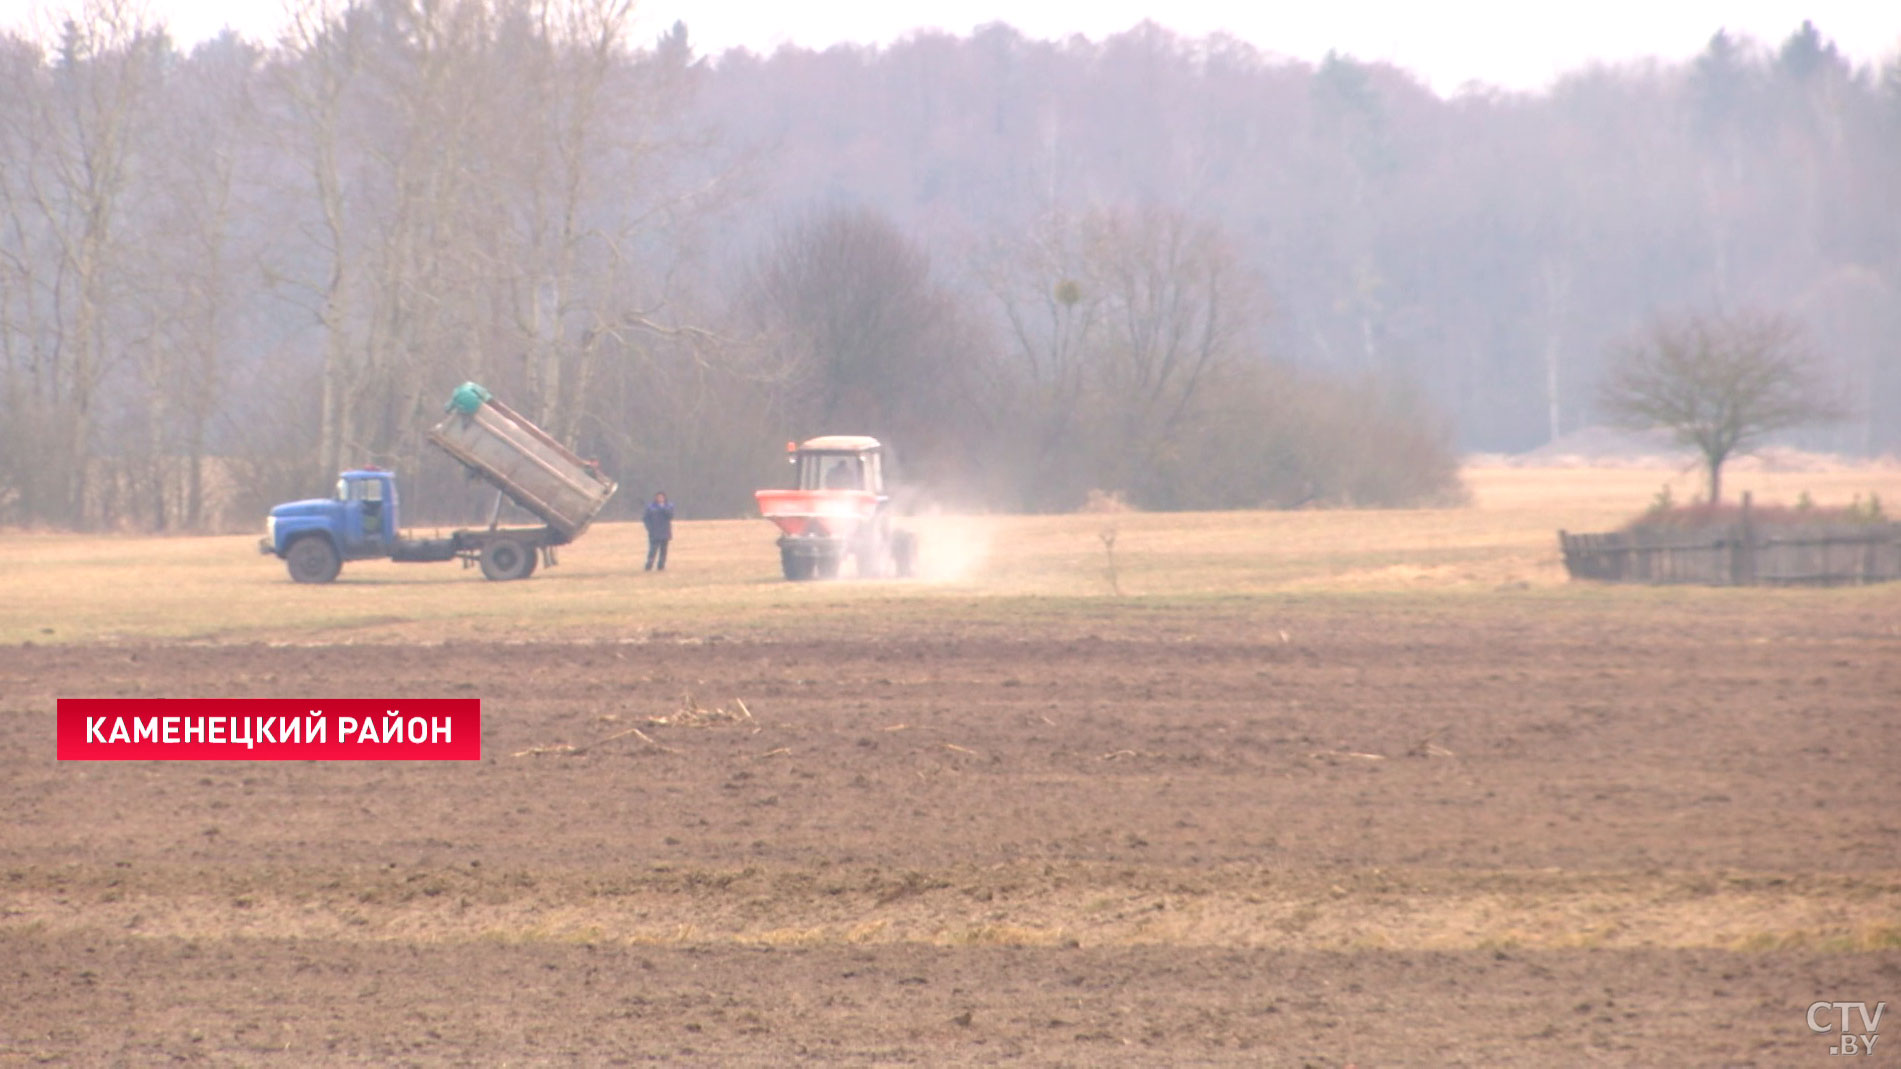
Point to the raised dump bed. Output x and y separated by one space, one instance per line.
525 464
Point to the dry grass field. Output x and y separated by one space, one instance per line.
724 576
1311 788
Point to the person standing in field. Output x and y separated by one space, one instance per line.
659 521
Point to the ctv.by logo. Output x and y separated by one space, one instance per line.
1822 1021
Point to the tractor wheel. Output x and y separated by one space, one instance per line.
312 559
534 559
903 554
871 560
506 558
827 566
798 566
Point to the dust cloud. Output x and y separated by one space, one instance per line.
950 548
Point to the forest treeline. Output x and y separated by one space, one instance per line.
1182 270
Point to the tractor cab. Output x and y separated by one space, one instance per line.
839 462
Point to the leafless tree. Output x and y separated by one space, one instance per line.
1721 383
1177 313
1051 313
319 64
72 141
191 274
1122 321
851 305
863 337
567 68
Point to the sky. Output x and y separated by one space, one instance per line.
1512 44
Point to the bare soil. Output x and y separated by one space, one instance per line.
1246 832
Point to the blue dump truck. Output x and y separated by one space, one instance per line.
313 538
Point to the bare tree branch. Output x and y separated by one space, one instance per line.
1722 384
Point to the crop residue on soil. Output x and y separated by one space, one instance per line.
1511 835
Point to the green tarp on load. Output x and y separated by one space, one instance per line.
467 398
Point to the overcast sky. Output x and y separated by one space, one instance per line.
1515 44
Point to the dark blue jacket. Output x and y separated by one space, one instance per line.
659 521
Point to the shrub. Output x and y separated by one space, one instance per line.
1703 514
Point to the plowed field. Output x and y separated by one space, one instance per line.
1517 829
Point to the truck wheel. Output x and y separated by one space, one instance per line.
312 559
827 566
797 566
506 558
534 558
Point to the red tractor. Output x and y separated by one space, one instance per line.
837 508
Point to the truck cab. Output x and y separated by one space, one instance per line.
314 537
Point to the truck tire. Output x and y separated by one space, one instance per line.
507 558
797 566
312 559
534 558
827 566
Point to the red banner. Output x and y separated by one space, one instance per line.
270 729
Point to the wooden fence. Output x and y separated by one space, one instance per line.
1739 554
